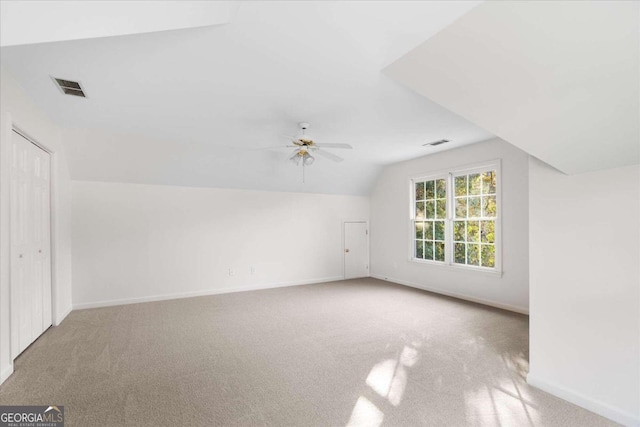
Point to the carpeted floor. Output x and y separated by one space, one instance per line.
357 352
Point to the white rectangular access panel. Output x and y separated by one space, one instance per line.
356 250
30 224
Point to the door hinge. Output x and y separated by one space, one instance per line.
366 232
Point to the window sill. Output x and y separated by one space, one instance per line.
488 271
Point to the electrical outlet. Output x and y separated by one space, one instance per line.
232 272
253 270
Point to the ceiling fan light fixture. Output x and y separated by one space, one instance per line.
308 159
305 147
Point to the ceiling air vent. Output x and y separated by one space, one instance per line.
69 87
435 143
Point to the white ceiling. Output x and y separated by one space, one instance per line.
26 22
187 107
560 80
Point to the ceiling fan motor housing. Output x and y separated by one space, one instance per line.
303 137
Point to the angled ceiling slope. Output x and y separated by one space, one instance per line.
197 106
560 80
25 22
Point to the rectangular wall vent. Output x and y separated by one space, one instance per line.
435 143
69 87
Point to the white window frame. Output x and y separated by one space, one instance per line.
449 175
412 229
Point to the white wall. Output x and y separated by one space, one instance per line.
585 288
390 229
16 109
134 242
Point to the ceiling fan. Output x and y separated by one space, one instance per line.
305 147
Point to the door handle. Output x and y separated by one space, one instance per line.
346 250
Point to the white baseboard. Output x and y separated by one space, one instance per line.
600 408
205 292
6 373
62 316
521 310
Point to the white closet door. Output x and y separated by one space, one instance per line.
30 243
41 192
356 250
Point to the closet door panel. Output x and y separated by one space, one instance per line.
30 243
41 242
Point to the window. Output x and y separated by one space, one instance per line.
474 225
430 214
455 218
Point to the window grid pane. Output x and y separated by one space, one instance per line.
419 188
474 219
430 215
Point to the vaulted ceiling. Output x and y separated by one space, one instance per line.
42 21
189 93
194 106
559 79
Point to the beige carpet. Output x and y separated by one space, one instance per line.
358 352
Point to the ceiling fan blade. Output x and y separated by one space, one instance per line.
289 137
328 155
323 145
